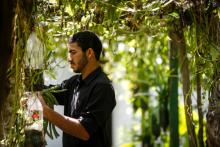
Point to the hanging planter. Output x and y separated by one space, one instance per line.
35 126
34 135
33 114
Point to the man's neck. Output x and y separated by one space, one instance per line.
89 69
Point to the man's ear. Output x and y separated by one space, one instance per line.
90 53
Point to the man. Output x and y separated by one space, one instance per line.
88 99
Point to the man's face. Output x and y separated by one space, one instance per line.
76 57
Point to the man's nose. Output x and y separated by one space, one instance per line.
69 59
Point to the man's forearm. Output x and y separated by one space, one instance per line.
67 124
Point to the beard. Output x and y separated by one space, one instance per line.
82 64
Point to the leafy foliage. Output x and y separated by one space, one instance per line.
135 35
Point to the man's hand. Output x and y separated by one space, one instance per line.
44 105
24 99
23 102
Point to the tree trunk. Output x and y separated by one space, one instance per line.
15 27
198 84
199 107
213 115
7 13
178 38
173 93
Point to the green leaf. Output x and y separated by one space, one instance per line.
175 15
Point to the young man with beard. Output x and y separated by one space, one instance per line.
88 98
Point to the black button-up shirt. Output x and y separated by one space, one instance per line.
91 101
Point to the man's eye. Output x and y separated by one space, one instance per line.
72 53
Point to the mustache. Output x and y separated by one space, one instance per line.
71 62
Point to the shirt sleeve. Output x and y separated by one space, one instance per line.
99 108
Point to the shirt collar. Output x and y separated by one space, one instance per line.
92 75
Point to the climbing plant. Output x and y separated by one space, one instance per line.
136 35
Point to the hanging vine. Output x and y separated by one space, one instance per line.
143 27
